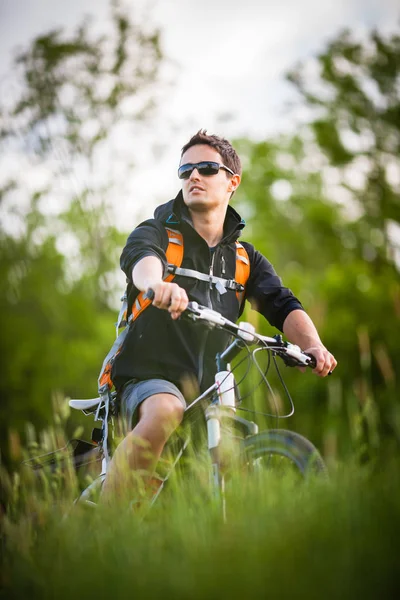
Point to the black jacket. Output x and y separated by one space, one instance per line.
157 346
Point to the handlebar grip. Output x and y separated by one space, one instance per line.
149 295
313 362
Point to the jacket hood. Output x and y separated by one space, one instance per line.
175 211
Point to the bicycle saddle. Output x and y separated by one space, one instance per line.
85 404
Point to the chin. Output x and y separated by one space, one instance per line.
198 204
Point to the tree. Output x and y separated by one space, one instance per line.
357 130
77 97
330 200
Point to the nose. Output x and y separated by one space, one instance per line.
194 174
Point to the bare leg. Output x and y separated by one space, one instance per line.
159 416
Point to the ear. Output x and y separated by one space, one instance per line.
234 183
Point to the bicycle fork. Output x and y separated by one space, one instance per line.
226 403
221 439
214 439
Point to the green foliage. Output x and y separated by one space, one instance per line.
332 243
321 539
59 250
70 81
358 98
54 332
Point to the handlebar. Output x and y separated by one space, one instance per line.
291 354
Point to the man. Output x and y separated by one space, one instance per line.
162 353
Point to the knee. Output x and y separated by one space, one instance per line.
171 411
166 409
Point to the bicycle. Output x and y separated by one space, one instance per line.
256 451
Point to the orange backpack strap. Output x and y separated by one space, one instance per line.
174 254
105 381
242 272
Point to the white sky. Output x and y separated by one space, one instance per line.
232 56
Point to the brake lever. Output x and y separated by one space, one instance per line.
293 356
313 361
192 311
210 317
289 360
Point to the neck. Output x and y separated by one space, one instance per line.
210 225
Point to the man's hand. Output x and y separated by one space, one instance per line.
326 362
171 297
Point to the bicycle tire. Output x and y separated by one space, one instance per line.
297 451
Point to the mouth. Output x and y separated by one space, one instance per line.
196 188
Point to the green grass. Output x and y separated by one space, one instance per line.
320 539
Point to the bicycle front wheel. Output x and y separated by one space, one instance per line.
282 452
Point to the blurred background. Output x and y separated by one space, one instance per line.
96 100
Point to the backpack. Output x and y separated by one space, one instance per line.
174 254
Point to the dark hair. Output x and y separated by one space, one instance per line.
221 145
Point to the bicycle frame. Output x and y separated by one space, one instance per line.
221 394
222 407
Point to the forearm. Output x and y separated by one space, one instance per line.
147 273
300 330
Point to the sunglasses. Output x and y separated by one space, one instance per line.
205 167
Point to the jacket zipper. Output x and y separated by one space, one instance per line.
222 265
207 332
211 272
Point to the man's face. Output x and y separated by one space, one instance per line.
201 192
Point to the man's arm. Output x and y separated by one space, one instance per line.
300 330
147 273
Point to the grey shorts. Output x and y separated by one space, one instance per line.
134 393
